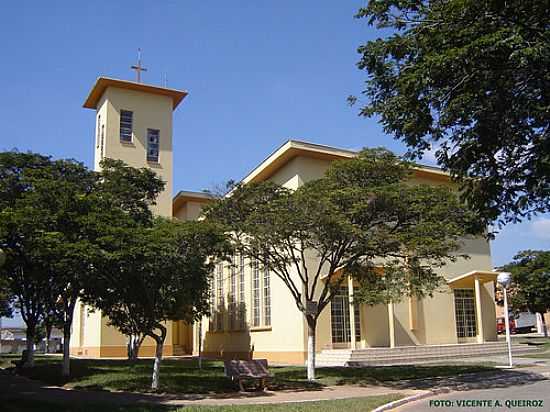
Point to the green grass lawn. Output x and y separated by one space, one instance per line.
542 344
183 376
348 405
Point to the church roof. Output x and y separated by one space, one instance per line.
294 148
102 83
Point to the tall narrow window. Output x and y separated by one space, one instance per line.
98 131
126 121
256 294
102 149
212 323
231 299
219 293
340 318
82 323
267 298
242 302
465 312
153 142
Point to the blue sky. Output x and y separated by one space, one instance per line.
258 73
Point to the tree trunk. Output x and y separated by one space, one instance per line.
66 350
134 343
544 329
28 358
200 344
311 326
48 336
67 323
158 357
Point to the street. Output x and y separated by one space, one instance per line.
509 398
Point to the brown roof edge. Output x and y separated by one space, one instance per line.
102 83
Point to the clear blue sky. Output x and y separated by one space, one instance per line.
258 73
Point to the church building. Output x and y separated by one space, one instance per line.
253 313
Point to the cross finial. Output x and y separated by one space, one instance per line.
138 68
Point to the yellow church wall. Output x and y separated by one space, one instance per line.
110 336
150 112
100 131
374 326
190 211
281 339
87 335
488 312
435 321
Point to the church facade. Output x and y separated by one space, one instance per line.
253 313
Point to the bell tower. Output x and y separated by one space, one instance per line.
134 124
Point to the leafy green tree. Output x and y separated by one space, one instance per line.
21 224
363 214
151 275
470 79
5 295
54 213
83 212
531 282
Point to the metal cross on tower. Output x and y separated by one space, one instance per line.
138 68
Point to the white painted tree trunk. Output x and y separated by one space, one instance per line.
544 328
200 344
134 343
48 336
66 351
29 360
311 350
156 366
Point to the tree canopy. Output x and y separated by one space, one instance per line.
469 79
53 217
149 275
531 281
363 218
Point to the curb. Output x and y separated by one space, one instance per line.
400 402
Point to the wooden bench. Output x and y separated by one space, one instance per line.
240 370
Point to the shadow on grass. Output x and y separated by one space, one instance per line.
180 376
378 375
183 377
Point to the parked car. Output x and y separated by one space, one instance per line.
501 324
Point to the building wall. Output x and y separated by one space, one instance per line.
150 111
286 340
191 210
281 340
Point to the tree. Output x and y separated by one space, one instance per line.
531 282
156 274
470 79
361 214
21 224
5 296
54 213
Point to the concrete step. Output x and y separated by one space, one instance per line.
412 355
